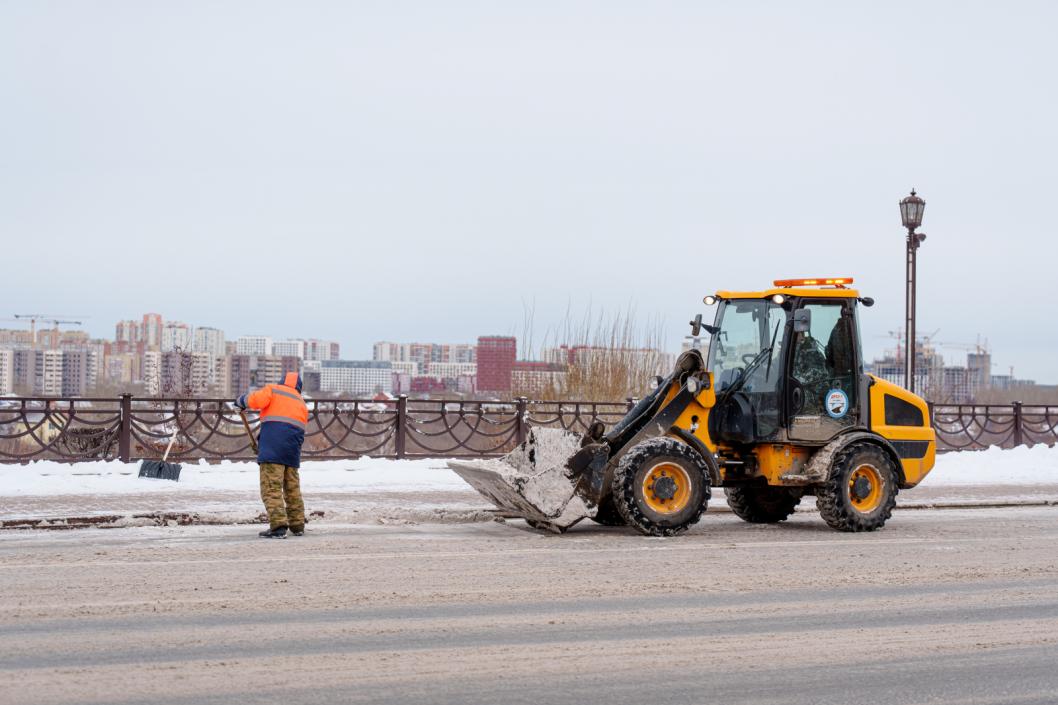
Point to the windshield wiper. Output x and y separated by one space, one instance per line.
767 372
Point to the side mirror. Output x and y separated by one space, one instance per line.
802 320
696 326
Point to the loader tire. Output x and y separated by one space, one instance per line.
607 514
661 487
762 505
860 491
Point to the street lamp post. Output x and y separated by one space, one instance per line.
911 215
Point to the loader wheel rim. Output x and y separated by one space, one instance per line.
865 488
666 488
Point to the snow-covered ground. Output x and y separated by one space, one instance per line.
365 474
1020 466
371 489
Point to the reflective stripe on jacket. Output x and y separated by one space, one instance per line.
283 420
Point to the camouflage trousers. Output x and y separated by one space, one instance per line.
281 493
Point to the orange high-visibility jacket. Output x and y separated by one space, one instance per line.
284 416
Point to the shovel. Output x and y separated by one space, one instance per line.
249 431
159 469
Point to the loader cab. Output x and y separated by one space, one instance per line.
787 364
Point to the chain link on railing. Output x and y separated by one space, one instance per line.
130 429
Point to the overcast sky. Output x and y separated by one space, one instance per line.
423 171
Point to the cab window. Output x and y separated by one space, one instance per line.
824 368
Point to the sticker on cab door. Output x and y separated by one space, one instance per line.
837 403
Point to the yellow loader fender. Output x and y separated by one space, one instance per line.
818 467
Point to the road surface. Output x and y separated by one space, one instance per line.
944 607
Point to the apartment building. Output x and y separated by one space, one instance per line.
151 331
273 369
533 378
7 371
151 369
48 373
495 360
424 354
25 370
183 374
14 337
79 371
321 350
289 348
176 337
356 376
406 367
123 368
451 370
236 376
253 345
209 340
127 332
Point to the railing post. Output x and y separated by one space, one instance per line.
522 413
125 430
401 438
1018 436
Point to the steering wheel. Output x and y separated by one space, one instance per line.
749 357
797 396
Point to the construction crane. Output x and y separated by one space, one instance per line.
55 330
981 347
33 318
925 340
56 319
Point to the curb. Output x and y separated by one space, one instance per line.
122 521
724 509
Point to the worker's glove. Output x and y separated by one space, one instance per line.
240 403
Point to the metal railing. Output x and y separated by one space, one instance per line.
978 426
129 429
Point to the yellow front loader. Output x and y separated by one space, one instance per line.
778 408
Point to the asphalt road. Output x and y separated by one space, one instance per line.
942 607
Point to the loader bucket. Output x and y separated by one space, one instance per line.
534 481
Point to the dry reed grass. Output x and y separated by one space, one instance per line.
613 356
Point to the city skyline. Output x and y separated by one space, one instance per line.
1004 362
169 357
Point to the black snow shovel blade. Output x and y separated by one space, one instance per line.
160 470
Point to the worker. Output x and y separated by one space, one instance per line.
810 371
283 419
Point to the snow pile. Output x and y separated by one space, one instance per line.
46 478
533 479
544 480
1020 466
1037 465
547 448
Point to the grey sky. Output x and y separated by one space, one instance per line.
417 171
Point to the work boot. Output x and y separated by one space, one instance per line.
280 532
297 531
